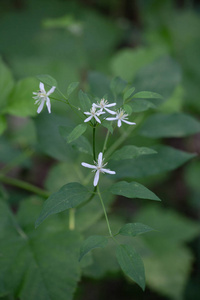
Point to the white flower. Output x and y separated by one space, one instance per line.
98 168
93 114
121 116
42 97
103 105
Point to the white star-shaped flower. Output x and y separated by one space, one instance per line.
93 114
121 116
98 168
103 105
42 96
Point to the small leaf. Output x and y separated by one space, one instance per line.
133 190
128 109
170 125
47 79
70 195
72 87
85 102
131 264
95 241
128 94
129 152
139 105
147 95
76 132
133 229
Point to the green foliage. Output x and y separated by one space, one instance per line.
72 87
6 84
134 229
76 132
131 264
94 241
70 195
47 79
84 101
130 151
133 190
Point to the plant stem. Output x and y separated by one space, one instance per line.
72 219
24 185
105 142
105 213
93 140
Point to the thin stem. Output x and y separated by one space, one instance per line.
105 142
24 185
93 141
105 213
72 219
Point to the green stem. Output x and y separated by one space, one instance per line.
105 142
93 140
105 213
24 185
72 219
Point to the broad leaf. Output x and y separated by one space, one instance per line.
134 229
84 101
128 94
47 79
166 159
76 132
129 152
6 83
131 264
171 125
147 95
117 86
133 190
3 124
95 241
128 109
139 105
72 87
70 195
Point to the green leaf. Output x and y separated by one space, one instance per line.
84 101
129 152
134 229
47 79
166 159
70 195
128 94
170 125
128 109
95 241
147 95
117 86
76 132
72 87
3 124
107 125
131 264
80 144
133 190
139 105
21 102
6 83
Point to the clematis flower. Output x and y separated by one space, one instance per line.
103 105
98 167
93 114
42 96
121 116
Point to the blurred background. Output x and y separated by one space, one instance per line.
153 45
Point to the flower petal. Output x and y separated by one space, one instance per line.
111 119
88 119
97 119
88 165
96 178
108 171
48 104
42 86
130 123
111 104
110 111
100 159
40 106
51 90
119 123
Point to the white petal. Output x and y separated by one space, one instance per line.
111 104
97 119
88 119
100 158
96 178
108 171
42 86
34 93
51 90
110 111
111 119
40 106
88 165
87 113
119 123
96 105
48 104
130 123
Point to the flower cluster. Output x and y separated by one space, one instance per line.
120 115
42 96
